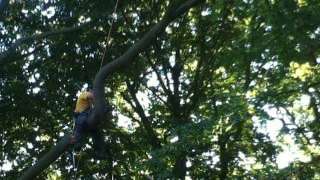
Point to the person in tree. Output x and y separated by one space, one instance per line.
82 112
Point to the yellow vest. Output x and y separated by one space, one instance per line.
83 102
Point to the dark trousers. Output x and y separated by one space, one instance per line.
81 130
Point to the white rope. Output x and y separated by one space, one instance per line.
109 34
76 165
112 177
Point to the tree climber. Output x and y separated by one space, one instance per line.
82 112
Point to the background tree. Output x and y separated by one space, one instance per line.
195 101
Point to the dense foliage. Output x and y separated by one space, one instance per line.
198 102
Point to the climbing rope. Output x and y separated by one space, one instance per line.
109 34
73 153
75 164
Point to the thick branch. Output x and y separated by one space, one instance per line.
47 159
3 5
128 58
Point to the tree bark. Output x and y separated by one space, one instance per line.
47 159
128 57
3 6
100 104
180 168
224 161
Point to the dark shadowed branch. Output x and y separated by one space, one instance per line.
129 56
153 139
3 5
47 159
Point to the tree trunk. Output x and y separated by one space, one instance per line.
224 160
180 168
47 159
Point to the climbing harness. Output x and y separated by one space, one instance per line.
109 34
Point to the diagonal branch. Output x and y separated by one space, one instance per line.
163 86
3 5
165 65
4 56
154 141
128 57
154 93
47 159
